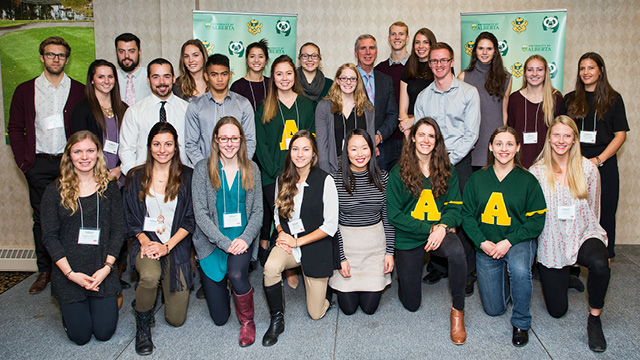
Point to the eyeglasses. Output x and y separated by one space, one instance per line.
306 56
235 139
439 61
347 80
52 56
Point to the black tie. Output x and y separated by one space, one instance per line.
163 112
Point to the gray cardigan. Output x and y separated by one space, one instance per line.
327 155
207 235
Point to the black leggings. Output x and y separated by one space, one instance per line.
217 293
409 267
268 201
367 300
91 316
593 255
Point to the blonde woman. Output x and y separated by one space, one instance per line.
83 229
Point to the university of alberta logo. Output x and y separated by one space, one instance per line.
503 47
236 48
553 69
519 25
550 23
468 47
517 69
209 46
283 27
254 27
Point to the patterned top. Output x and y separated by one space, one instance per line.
560 241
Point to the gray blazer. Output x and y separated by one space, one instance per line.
207 234
325 135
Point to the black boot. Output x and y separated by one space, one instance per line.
144 345
275 300
597 341
263 255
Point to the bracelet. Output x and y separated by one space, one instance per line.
110 265
600 163
296 242
168 250
67 274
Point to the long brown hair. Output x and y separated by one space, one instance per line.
69 183
497 74
413 64
117 105
439 164
174 182
186 80
548 100
359 96
605 94
287 181
491 159
271 101
245 167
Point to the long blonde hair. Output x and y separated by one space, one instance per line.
246 169
575 174
548 100
69 183
360 96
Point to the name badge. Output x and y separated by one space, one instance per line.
111 147
287 142
54 121
297 254
232 220
567 212
530 138
296 226
588 137
154 225
89 236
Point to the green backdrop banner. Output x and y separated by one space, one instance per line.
230 33
520 35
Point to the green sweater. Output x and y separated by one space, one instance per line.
512 209
413 217
272 139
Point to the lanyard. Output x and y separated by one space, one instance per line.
224 204
295 102
97 215
525 113
255 103
595 119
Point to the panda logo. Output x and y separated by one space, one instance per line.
550 23
236 48
553 69
503 47
283 27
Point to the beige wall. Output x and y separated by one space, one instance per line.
163 25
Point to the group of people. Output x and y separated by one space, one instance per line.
348 179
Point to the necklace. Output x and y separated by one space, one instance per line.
161 226
107 112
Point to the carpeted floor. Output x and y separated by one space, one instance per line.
9 279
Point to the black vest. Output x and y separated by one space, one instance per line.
318 258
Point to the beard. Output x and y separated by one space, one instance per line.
54 71
129 68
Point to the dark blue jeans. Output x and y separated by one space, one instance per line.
91 316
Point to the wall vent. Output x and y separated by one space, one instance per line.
17 259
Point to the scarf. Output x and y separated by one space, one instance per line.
314 89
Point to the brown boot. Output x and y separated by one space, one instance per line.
458 333
244 310
41 283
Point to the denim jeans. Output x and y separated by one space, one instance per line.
508 278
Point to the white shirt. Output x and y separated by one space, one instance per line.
140 83
138 121
156 206
49 103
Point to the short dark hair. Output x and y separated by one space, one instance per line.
126 37
55 40
159 61
218 59
262 45
440 46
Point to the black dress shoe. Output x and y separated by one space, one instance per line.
433 277
124 284
597 342
468 289
576 283
200 293
520 337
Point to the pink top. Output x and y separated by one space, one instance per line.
560 241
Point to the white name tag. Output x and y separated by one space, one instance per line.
588 137
232 220
153 225
111 147
530 138
297 254
567 212
296 226
54 121
89 236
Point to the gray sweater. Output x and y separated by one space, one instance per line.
207 235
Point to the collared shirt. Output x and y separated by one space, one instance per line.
203 114
140 83
402 61
50 102
138 121
457 112
369 82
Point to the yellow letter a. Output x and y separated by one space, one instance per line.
426 204
290 129
496 209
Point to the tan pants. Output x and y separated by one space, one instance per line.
315 288
175 304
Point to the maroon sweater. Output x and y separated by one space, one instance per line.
395 71
22 120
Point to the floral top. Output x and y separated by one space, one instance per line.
560 241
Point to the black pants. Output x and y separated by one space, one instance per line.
464 170
409 267
217 293
43 173
92 316
367 300
555 282
268 198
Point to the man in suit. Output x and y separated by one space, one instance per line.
379 88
